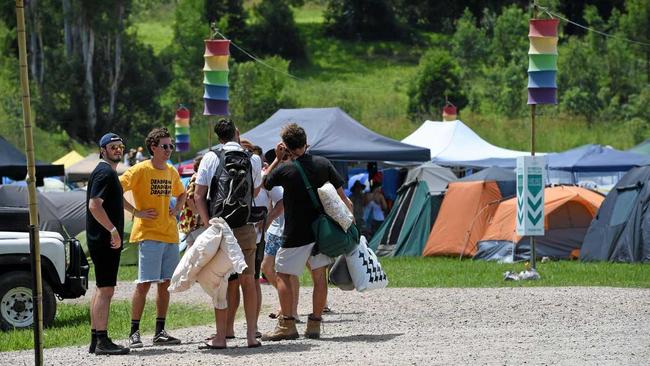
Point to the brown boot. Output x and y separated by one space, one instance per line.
286 329
313 327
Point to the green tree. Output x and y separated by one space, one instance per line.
362 19
274 32
258 91
437 78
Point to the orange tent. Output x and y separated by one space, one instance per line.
463 216
568 211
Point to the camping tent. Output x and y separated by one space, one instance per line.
13 164
63 212
568 211
335 135
453 142
69 159
465 211
405 230
621 230
82 169
642 148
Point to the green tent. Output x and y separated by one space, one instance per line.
642 148
406 229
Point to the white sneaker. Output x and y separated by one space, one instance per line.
135 341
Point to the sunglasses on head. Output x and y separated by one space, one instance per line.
167 146
116 147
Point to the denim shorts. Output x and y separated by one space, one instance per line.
273 243
156 261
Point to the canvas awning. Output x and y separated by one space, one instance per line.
68 159
335 135
453 142
82 169
13 164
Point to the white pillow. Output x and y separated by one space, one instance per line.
334 206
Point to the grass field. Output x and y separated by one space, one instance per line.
71 325
450 272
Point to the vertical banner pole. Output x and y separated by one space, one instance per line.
533 252
37 289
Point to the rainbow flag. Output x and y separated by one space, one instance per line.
182 129
215 77
542 61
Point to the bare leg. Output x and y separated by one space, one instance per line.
285 292
101 306
162 301
295 288
319 297
92 308
139 299
258 290
250 305
233 305
221 318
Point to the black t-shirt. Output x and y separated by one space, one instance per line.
104 184
299 211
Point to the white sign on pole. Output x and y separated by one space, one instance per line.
531 175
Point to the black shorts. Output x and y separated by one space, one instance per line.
107 263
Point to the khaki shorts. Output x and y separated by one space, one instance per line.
247 239
292 260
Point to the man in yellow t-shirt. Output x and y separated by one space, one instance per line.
153 184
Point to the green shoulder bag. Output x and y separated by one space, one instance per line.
331 239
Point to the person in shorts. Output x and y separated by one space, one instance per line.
228 135
104 232
153 184
299 213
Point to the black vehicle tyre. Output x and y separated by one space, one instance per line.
16 304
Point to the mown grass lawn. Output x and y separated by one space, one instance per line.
450 272
72 324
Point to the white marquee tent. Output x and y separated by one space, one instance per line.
453 142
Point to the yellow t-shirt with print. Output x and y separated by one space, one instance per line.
153 188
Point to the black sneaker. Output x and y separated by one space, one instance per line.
92 347
164 339
135 341
109 348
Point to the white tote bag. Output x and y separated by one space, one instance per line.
365 269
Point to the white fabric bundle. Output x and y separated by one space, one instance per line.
213 257
334 206
365 269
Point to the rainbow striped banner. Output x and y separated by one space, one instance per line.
215 77
182 129
542 61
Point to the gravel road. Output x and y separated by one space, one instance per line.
414 326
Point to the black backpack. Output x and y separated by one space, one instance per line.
231 188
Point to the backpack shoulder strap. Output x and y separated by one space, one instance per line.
221 153
310 189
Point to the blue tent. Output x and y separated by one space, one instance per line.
335 135
586 158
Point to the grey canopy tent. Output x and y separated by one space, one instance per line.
335 135
13 164
82 169
63 212
621 230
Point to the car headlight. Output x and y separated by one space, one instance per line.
67 254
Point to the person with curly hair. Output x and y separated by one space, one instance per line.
153 184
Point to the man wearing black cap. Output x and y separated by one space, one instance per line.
104 231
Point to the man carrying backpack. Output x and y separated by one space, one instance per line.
230 177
